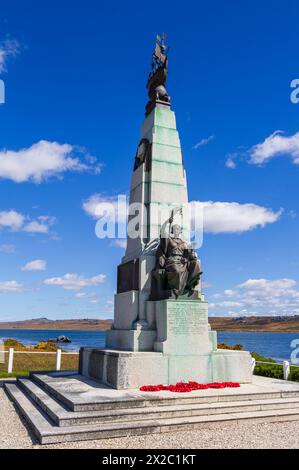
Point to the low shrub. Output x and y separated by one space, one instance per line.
236 347
13 343
294 374
46 346
268 370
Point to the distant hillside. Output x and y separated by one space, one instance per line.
46 324
274 324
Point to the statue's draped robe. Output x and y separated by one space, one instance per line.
174 256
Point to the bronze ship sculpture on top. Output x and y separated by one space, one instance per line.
158 75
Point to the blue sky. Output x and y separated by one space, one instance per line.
75 95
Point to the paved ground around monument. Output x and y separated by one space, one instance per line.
14 435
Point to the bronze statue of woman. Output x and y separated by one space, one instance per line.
180 263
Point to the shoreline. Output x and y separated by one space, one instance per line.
81 328
258 324
56 328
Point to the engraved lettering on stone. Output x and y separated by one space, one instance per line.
186 320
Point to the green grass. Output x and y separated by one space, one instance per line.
258 357
24 363
6 375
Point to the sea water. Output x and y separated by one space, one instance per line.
275 345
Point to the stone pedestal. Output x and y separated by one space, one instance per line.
129 332
130 370
182 347
131 340
123 369
182 327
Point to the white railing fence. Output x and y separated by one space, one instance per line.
11 354
286 369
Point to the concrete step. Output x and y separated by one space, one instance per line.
82 394
49 405
47 432
63 417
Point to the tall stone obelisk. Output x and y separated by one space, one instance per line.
160 332
158 184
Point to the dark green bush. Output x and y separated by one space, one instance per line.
274 371
294 374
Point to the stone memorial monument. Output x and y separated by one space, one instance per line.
160 332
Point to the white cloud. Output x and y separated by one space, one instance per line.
226 293
36 227
36 265
206 285
292 214
261 297
261 290
7 249
229 293
120 243
17 222
10 286
278 296
98 205
42 160
218 217
72 281
203 142
230 162
275 145
226 304
271 286
8 48
12 220
80 295
233 217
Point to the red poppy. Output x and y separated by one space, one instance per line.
184 387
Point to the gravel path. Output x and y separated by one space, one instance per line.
14 435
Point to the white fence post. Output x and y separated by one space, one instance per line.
10 360
286 370
58 359
2 352
253 364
